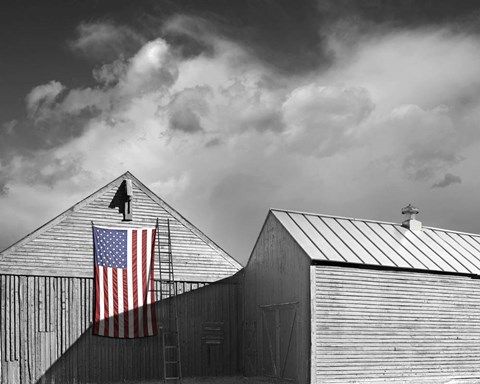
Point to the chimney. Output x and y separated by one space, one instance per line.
411 223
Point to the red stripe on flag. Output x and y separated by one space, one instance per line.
96 325
125 305
105 299
152 285
144 282
135 283
115 302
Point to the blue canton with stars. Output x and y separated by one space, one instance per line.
110 247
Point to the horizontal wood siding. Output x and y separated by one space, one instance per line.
376 325
66 248
46 336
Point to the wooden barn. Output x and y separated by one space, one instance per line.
46 291
341 300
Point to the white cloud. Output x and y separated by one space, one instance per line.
319 118
42 97
103 41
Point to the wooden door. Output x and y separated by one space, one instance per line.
279 340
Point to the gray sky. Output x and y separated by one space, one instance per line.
225 109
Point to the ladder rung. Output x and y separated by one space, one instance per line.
172 362
172 378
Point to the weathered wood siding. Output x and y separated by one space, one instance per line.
393 326
277 307
46 336
64 246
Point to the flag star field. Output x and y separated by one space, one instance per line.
111 248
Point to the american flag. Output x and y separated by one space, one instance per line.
124 297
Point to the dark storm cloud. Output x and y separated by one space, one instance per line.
448 179
213 143
185 120
3 186
400 13
26 136
269 29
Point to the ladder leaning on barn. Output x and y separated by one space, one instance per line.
170 335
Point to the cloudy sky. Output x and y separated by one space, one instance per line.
226 109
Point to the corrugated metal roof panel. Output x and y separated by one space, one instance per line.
316 237
350 241
430 258
443 239
335 240
402 246
302 239
472 249
366 242
375 243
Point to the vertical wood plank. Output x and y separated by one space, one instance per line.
8 318
3 324
31 328
23 336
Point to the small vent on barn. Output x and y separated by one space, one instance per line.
212 333
411 222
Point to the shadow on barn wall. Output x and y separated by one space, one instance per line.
210 342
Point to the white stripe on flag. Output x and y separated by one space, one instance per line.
110 302
140 282
149 262
130 284
121 322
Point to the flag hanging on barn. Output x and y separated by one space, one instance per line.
124 297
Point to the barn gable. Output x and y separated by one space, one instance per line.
63 247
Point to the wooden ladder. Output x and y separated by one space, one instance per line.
170 335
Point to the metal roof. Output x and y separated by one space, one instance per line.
375 243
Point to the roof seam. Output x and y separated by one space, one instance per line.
356 240
420 250
309 238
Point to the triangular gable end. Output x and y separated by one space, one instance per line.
63 246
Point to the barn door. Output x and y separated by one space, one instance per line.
279 340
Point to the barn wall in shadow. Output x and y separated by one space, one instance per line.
58 346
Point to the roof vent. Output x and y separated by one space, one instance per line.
411 223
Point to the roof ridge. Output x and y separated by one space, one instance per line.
370 221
